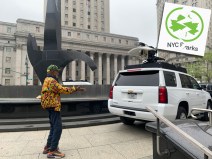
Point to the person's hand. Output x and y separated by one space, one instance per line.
78 88
38 97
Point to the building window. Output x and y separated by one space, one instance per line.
66 15
7 70
8 49
78 35
74 2
66 22
127 42
89 13
69 33
194 4
119 41
39 48
184 3
8 59
74 9
38 29
74 16
8 29
74 24
66 8
7 82
89 26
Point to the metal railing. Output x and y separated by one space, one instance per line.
205 150
202 110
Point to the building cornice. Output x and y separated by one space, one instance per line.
30 22
81 30
80 42
7 36
8 24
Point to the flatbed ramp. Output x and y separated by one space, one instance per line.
182 139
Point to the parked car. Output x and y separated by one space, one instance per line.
207 87
166 88
76 83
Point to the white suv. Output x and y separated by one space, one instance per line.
164 87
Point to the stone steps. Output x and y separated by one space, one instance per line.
34 124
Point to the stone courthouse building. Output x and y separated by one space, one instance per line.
87 31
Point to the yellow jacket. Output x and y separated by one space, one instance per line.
50 94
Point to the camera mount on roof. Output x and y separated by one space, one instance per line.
146 52
149 53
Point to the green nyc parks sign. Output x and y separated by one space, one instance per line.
184 29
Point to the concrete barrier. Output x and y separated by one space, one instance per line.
92 91
21 102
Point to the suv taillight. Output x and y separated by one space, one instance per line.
163 95
111 92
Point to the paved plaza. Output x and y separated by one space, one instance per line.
114 141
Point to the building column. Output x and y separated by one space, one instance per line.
82 73
18 63
122 62
91 72
115 65
64 74
73 70
108 69
30 80
130 60
1 64
137 60
100 69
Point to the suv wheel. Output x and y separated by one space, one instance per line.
206 115
181 113
127 121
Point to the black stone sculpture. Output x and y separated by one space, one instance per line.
52 53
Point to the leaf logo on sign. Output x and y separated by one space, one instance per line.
184 25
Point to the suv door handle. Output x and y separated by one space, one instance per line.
187 93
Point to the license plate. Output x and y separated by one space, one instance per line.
132 95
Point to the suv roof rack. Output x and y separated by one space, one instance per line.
157 65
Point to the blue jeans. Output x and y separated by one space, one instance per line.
55 129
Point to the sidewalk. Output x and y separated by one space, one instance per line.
115 141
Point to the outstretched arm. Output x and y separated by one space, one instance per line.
62 90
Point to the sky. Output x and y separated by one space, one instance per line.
136 18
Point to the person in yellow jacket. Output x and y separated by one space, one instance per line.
50 101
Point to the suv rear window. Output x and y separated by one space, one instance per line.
170 79
140 78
